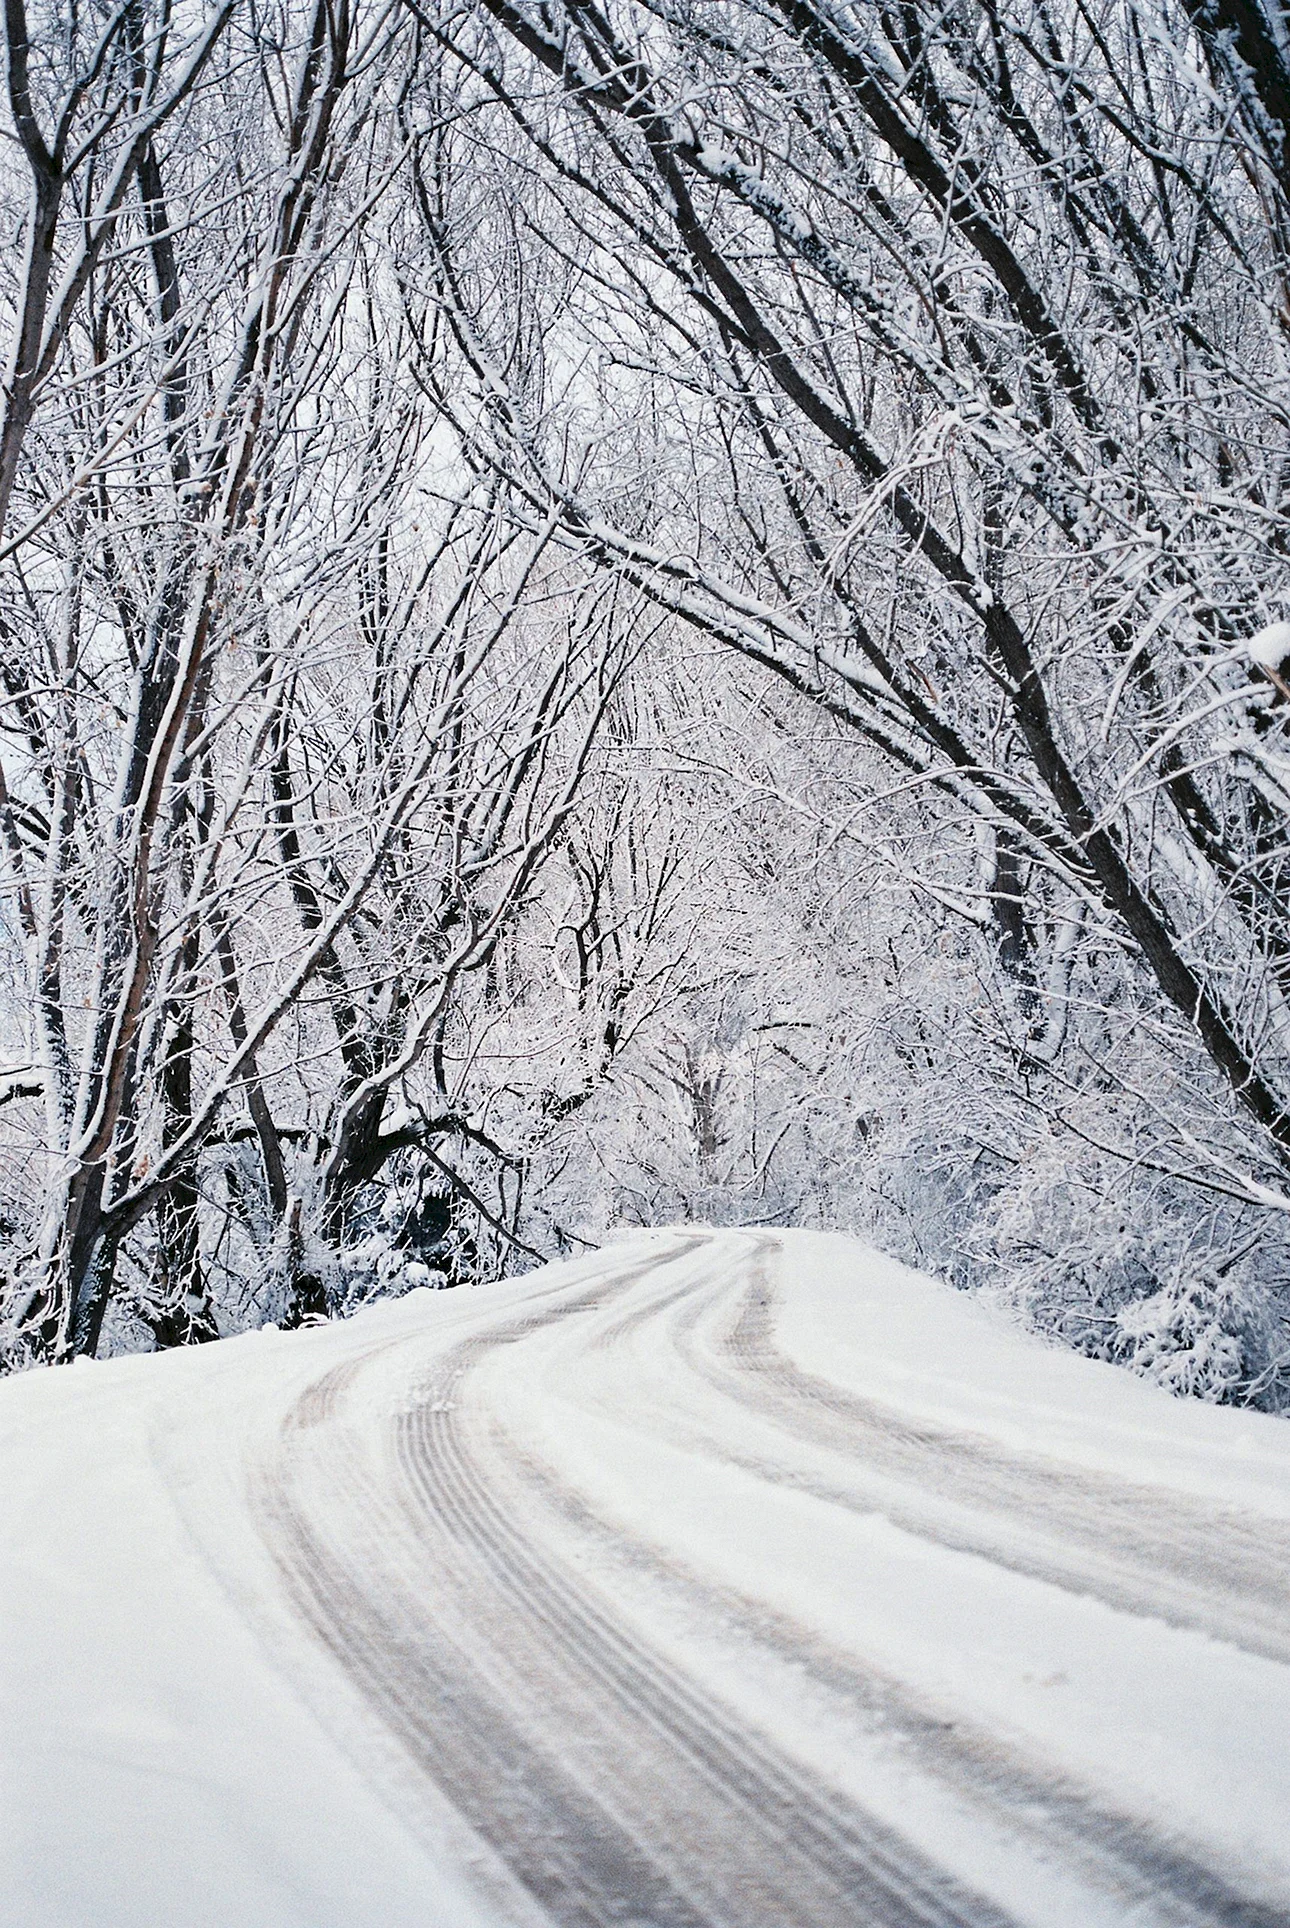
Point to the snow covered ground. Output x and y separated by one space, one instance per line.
718 1578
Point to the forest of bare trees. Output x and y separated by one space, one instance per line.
669 611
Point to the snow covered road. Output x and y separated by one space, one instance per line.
718 1578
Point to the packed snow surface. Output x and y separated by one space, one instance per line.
717 1578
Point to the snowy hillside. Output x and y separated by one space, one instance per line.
720 1578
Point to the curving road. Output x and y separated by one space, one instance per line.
675 1614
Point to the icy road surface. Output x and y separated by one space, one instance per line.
718 1578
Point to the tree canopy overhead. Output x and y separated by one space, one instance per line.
553 555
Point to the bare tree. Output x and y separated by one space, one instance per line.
400 401
980 306
292 716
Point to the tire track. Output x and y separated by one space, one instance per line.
1137 1549
612 1786
1117 1853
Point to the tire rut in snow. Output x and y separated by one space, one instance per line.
615 1790
1063 1823
1135 1548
